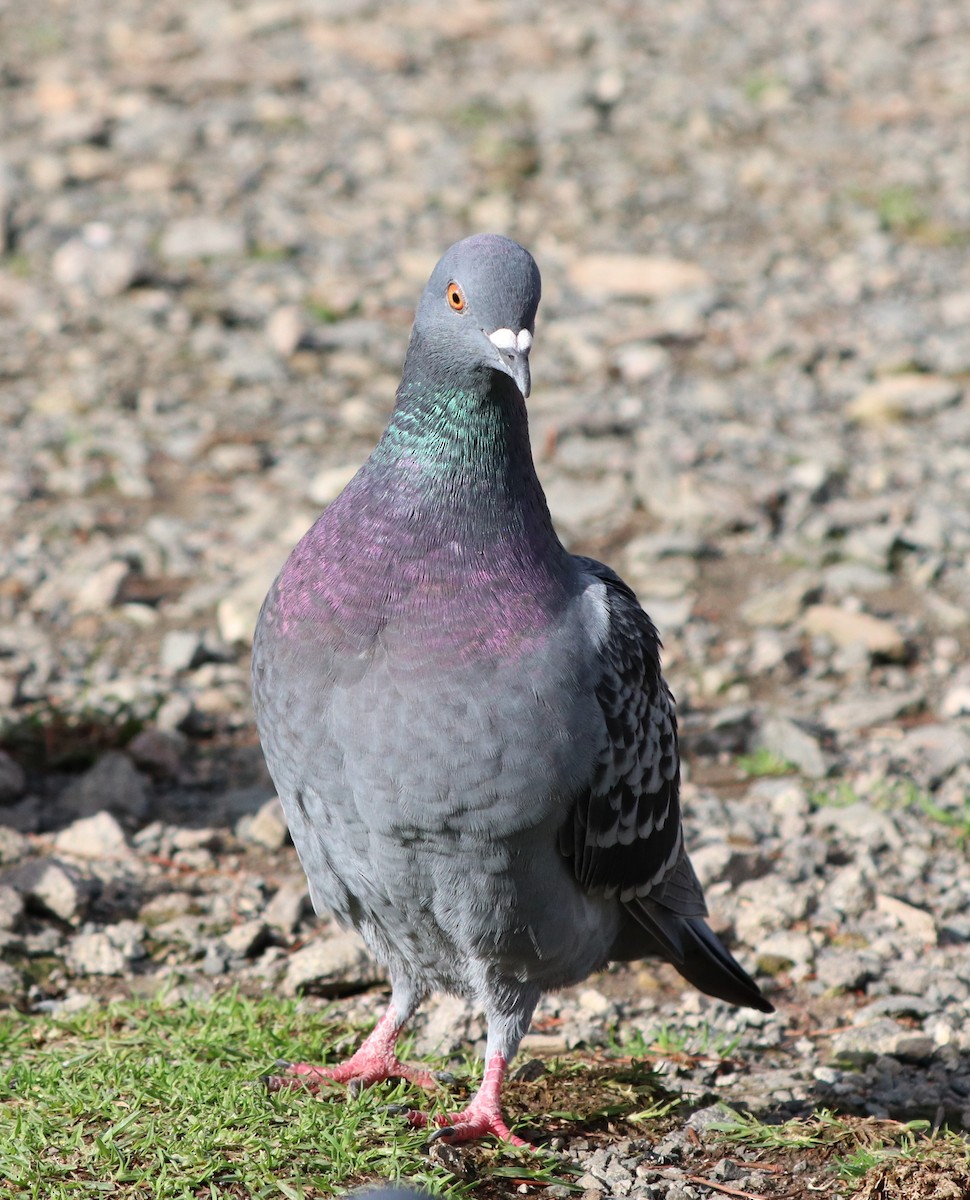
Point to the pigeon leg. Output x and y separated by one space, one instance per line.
507 1023
373 1062
482 1116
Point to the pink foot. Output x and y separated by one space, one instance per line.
482 1116
373 1062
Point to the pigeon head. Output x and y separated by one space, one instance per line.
478 311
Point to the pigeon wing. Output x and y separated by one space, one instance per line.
624 836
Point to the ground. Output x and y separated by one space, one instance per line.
750 397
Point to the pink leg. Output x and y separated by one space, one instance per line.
373 1062
483 1114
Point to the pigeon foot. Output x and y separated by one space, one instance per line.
372 1063
481 1117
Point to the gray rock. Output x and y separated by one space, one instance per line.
247 938
96 265
54 887
266 828
11 907
288 907
880 638
98 836
157 751
181 650
110 951
13 845
791 743
331 965
112 784
935 751
13 781
202 237
883 1036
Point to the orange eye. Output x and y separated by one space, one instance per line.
456 297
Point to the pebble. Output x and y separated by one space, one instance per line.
331 965
112 783
266 827
98 836
202 237
640 276
13 781
55 887
879 637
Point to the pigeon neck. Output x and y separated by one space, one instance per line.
459 454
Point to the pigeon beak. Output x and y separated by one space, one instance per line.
513 353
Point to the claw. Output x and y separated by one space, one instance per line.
445 1131
444 1077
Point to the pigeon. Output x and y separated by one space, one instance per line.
467 725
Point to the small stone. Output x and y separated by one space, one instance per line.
846 970
918 923
864 1044
578 510
267 827
955 703
247 938
448 1020
237 611
641 277
641 361
866 709
54 887
13 781
286 329
95 266
938 750
705 1120
332 965
202 237
901 397
786 951
98 836
95 954
157 751
780 605
593 1002
726 1170
180 650
789 742
11 907
288 907
880 638
327 484
113 784
100 590
13 845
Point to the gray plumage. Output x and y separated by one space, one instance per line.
468 726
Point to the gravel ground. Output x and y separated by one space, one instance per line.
751 397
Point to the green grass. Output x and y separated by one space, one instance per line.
156 1101
165 1101
668 1041
764 762
888 1159
896 795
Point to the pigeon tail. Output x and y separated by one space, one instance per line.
697 953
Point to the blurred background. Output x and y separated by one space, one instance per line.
750 397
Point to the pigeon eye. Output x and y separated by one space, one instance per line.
456 297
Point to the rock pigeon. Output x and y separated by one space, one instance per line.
467 725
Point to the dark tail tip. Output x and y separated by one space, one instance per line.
712 969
